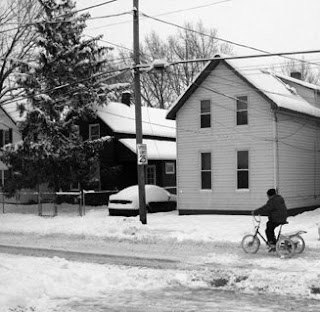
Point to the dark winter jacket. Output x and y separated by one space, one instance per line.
275 209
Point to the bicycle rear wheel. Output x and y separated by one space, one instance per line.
250 243
299 243
285 247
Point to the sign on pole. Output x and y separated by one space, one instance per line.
142 154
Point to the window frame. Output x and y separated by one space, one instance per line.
242 110
6 136
205 114
241 170
170 167
91 126
204 172
154 172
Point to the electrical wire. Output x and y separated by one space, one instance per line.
213 37
167 13
60 16
70 84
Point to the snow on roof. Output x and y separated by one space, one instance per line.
121 119
300 82
280 93
156 149
276 90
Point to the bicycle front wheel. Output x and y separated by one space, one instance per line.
299 243
285 247
250 244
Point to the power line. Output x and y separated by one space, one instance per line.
60 16
70 84
213 37
166 13
95 6
247 56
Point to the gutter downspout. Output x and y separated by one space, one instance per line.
275 152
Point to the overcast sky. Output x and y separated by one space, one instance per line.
270 25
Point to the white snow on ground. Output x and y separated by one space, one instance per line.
34 282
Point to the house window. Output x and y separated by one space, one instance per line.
170 168
243 170
151 177
94 132
242 110
206 171
205 114
5 136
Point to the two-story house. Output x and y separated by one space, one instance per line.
241 131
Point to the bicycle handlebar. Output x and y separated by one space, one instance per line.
256 218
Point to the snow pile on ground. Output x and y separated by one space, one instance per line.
39 282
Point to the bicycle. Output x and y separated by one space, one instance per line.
287 244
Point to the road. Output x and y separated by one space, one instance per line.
171 256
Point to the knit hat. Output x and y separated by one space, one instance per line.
271 192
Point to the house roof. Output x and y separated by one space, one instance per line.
271 87
156 149
299 82
121 119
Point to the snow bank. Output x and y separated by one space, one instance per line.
163 226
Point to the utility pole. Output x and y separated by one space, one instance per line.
137 97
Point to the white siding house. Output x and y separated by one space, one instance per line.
8 134
241 132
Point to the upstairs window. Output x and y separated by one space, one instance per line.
242 110
243 170
206 171
205 114
94 132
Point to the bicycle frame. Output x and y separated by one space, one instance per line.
257 232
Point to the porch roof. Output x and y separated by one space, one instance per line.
156 149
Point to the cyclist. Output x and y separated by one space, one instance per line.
276 210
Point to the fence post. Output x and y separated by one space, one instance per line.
84 202
39 203
2 202
80 203
55 205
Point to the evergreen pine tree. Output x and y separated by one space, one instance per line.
62 86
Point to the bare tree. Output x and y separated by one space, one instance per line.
307 72
16 42
193 42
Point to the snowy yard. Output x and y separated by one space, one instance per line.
34 282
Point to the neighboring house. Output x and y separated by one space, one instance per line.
241 131
118 161
9 133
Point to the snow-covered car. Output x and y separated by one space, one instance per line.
126 202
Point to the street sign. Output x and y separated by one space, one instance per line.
142 154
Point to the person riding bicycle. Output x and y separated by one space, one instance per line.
276 210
